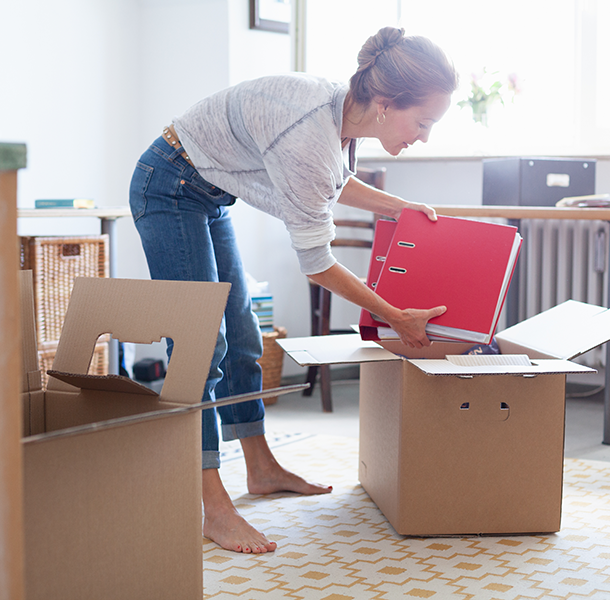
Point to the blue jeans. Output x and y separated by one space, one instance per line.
187 235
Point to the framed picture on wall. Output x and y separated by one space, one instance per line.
270 15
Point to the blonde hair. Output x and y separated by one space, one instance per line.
405 70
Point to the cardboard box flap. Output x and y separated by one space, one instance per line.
351 348
468 366
162 414
564 331
107 383
143 311
333 349
31 376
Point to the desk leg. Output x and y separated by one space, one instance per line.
109 227
512 296
606 439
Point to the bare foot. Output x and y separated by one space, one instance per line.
224 525
266 475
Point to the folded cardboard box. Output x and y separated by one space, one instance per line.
466 445
112 470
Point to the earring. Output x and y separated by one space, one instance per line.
381 118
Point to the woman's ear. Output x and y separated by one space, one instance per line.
381 105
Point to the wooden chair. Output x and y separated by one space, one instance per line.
321 297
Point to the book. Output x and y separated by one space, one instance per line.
262 307
67 203
463 264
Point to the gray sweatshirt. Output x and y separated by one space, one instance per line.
275 142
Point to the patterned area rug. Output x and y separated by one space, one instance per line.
340 547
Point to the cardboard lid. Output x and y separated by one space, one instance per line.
107 383
145 311
159 414
564 331
350 348
498 364
346 348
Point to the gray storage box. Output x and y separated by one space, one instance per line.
536 181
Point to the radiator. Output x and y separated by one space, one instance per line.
561 260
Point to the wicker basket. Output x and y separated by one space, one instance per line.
56 262
272 360
99 360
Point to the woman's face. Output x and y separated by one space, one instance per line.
403 127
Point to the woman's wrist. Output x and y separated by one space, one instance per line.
386 312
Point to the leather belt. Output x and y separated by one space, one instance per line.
170 136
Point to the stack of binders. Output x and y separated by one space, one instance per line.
262 306
462 264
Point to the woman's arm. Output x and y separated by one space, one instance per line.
358 194
410 324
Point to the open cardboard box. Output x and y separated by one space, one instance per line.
112 470
466 445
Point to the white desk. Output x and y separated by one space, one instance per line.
108 217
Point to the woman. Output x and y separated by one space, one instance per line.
285 145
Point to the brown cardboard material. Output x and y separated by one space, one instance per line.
112 470
466 445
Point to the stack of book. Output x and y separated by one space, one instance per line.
64 203
263 309
462 264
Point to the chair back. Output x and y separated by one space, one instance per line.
374 178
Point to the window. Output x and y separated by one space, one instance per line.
559 51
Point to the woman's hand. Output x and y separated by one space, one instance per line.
427 210
410 325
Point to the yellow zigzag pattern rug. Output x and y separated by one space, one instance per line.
340 547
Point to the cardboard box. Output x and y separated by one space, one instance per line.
112 470
466 445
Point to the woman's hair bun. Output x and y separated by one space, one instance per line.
405 70
377 44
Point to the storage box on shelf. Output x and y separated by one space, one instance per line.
272 360
55 263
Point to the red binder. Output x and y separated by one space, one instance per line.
384 232
463 264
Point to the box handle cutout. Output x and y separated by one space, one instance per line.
380 258
398 270
485 411
406 244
